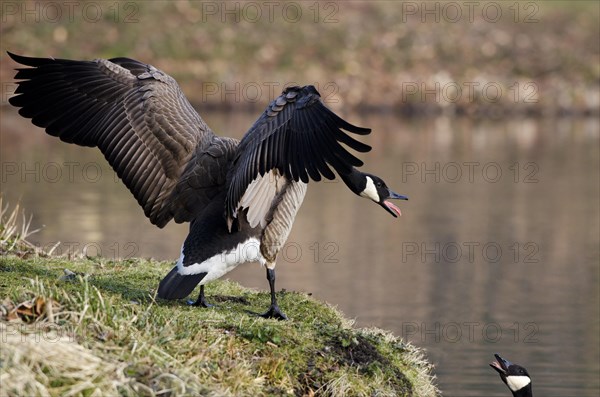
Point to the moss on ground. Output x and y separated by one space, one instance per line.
99 331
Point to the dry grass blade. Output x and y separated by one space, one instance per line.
14 229
51 364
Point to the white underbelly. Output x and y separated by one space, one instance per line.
221 264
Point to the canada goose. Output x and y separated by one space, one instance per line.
240 197
514 376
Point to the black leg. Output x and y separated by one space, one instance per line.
274 311
201 301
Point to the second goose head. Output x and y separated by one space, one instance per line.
514 376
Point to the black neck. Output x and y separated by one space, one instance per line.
524 392
355 180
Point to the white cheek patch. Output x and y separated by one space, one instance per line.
370 191
515 383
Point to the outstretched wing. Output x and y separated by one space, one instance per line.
298 138
135 114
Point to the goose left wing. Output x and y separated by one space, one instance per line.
139 119
297 138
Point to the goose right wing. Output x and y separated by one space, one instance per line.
298 138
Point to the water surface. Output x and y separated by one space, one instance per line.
497 249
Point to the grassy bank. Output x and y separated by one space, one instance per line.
96 329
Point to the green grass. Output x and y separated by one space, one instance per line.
101 332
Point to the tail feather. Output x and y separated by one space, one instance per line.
177 286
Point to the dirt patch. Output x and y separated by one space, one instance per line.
358 351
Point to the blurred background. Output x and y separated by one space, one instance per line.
484 113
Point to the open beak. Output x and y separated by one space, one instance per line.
501 365
390 207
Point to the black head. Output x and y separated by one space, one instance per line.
514 376
374 188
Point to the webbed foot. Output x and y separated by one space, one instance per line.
201 301
274 312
